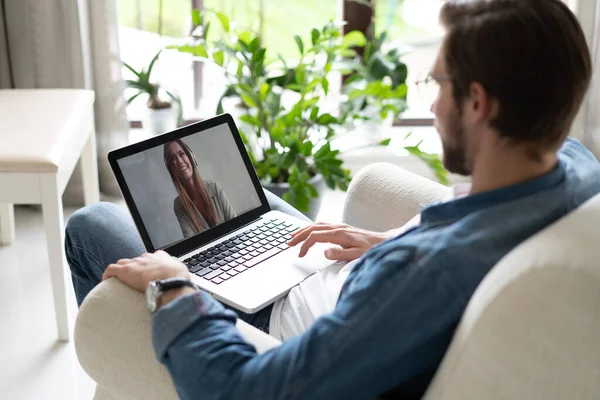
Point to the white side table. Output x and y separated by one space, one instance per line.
43 133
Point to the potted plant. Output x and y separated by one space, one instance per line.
161 116
376 90
375 95
288 122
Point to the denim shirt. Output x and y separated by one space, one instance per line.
397 311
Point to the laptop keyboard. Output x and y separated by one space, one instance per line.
239 253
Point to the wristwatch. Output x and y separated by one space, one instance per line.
156 289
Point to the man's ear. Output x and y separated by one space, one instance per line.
478 105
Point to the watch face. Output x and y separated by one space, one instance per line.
152 294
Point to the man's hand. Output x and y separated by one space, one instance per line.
354 242
139 272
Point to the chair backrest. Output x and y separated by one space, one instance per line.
532 328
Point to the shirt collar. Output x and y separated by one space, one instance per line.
461 207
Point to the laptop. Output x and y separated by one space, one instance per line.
235 248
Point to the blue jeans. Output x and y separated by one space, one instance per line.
104 233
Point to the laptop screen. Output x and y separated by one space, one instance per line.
190 185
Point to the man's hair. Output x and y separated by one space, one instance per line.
530 55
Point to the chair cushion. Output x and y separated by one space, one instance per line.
39 126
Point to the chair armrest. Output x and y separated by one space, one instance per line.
383 196
530 330
113 343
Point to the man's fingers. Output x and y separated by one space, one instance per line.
311 226
124 261
338 254
329 236
303 233
306 228
113 270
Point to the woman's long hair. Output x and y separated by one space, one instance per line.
199 186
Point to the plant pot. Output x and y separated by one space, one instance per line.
317 181
160 121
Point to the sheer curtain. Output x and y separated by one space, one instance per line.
68 44
592 121
587 125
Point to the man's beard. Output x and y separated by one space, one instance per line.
455 147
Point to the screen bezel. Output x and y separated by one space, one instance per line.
186 245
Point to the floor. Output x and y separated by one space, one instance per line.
33 364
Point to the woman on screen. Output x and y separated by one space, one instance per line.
201 204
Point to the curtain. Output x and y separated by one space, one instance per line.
587 124
69 44
592 111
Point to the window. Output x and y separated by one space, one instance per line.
411 23
139 40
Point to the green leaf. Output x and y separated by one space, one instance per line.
353 78
300 44
184 48
129 67
399 75
273 102
205 31
144 87
246 37
151 66
313 190
313 113
240 69
250 120
254 45
200 51
307 148
288 161
326 119
259 56
219 57
287 197
224 21
196 17
325 84
379 67
300 75
369 49
323 151
302 165
129 100
248 101
354 39
314 35
401 91
385 142
264 88
301 202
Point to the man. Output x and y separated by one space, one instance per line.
512 75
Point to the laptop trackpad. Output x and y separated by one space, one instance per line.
312 261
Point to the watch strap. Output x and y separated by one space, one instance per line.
174 283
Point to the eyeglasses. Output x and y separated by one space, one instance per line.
428 86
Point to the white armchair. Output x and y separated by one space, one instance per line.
530 331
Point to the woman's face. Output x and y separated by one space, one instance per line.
179 162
